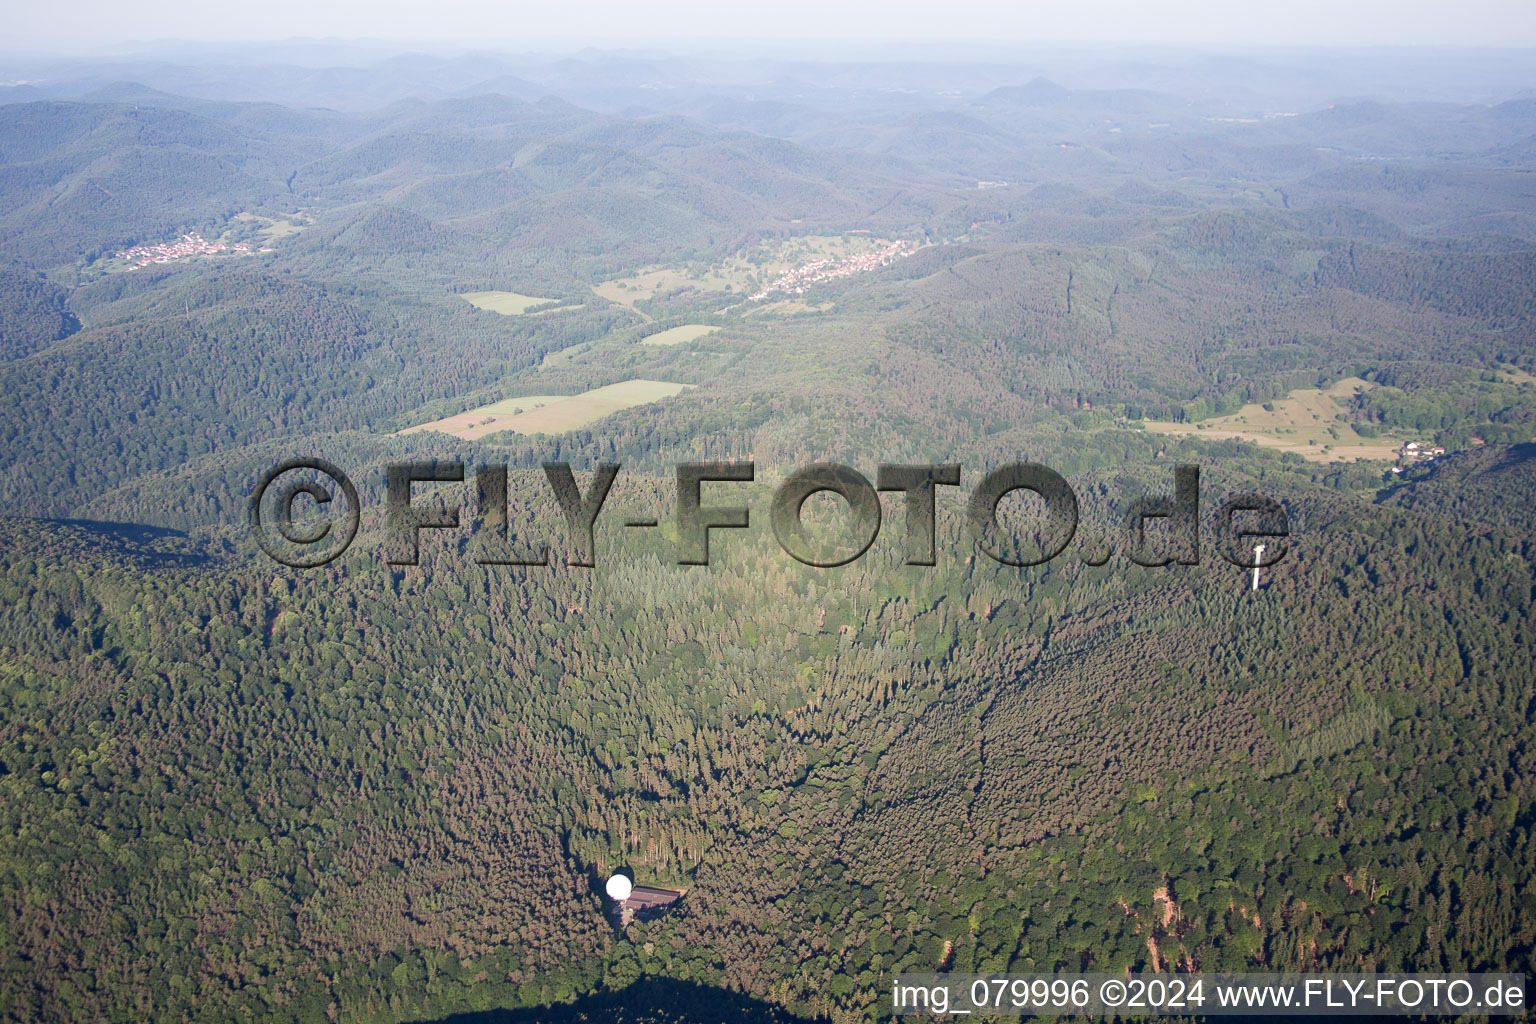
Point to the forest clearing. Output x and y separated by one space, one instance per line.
551 414
1311 422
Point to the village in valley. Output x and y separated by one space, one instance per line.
797 280
772 280
188 245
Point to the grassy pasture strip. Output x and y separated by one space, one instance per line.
505 303
680 335
551 414
1298 423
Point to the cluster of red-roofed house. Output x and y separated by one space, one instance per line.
1419 451
796 281
1413 453
190 244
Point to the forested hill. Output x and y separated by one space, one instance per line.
34 314
404 770
372 792
1488 487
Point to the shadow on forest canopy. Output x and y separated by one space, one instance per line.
649 1001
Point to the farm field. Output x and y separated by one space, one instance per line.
680 335
788 307
648 283
505 303
551 414
1299 423
274 228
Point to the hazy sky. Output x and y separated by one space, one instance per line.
84 24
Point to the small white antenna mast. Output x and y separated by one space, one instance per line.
1258 555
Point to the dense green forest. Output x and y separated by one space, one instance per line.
373 792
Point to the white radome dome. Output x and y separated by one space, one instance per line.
619 887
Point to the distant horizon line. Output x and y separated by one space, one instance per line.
830 49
